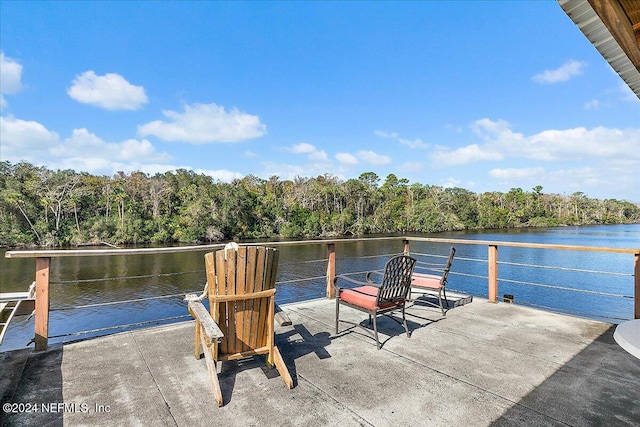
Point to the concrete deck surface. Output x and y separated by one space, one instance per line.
481 365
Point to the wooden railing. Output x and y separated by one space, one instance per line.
43 261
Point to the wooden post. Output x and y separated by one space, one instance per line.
636 280
331 269
493 273
42 303
405 244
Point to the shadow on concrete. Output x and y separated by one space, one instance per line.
291 348
306 344
389 325
25 377
429 299
600 386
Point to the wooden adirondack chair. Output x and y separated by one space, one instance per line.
241 288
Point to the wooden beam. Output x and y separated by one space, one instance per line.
617 22
493 273
282 318
331 269
42 303
636 280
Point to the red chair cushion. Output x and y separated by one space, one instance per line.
429 281
365 297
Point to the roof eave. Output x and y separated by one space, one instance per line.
624 57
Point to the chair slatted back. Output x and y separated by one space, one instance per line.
241 296
396 281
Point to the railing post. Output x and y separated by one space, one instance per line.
493 273
636 280
42 303
331 269
405 248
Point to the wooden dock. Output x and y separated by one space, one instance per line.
482 364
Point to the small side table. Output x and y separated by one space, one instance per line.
627 335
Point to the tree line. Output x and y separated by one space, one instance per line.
44 207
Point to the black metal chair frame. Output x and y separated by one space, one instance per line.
392 292
443 283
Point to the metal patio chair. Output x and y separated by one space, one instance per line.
420 282
378 299
241 290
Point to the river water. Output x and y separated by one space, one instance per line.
82 289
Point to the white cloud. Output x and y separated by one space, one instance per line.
451 183
347 159
373 158
203 124
416 143
223 175
385 134
583 179
581 143
111 91
25 140
312 152
464 155
318 156
486 128
566 71
500 142
303 148
594 104
10 75
366 156
82 151
84 144
285 171
515 173
10 78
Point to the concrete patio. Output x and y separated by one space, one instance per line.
481 365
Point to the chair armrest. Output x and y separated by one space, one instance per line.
212 333
349 279
281 317
378 272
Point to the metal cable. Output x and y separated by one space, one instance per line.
301 280
107 328
181 295
142 276
613 273
564 288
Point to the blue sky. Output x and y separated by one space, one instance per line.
486 96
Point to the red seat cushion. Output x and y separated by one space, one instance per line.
430 281
365 297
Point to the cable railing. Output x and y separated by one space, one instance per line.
312 278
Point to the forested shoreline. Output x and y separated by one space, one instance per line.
43 207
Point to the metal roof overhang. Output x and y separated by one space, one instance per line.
613 27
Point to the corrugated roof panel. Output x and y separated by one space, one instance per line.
588 21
